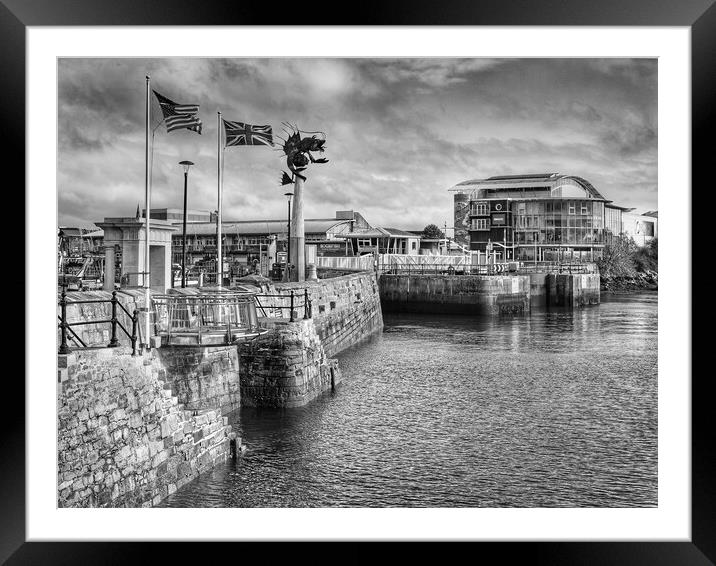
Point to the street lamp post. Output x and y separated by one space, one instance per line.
185 165
288 238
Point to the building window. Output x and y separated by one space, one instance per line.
413 246
481 208
584 208
571 207
364 243
481 224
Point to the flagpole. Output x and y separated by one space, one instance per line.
147 204
219 258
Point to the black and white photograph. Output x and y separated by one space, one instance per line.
360 283
357 282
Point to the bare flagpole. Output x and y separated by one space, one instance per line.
147 204
219 258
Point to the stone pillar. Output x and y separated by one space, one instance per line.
108 268
312 273
297 235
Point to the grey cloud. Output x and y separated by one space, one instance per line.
400 132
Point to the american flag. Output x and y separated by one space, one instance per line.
238 133
177 116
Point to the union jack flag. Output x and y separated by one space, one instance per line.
238 133
178 116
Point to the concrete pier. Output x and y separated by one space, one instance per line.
456 294
578 290
486 294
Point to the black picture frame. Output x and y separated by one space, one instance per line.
699 15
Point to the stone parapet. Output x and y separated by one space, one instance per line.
345 309
93 334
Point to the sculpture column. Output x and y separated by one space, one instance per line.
297 235
108 268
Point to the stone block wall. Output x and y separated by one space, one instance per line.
203 377
287 367
346 309
460 294
123 439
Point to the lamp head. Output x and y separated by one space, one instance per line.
186 165
288 195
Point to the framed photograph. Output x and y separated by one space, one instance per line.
437 236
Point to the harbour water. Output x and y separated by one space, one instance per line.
554 409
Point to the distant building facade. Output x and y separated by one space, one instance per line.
382 241
539 217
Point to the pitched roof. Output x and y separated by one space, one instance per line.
311 226
379 232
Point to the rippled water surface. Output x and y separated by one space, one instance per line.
555 409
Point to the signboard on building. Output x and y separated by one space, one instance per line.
498 219
331 248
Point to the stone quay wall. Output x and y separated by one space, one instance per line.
203 377
287 367
461 294
578 290
123 438
346 309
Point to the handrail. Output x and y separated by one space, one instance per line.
292 297
113 321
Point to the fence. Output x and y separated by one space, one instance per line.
353 263
389 261
489 269
114 322
272 306
230 314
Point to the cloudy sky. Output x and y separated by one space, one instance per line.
400 132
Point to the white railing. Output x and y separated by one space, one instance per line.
399 260
352 263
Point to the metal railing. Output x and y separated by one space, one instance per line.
269 305
228 314
515 267
558 267
114 322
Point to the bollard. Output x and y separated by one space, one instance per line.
291 319
305 304
229 338
232 445
135 320
63 324
113 343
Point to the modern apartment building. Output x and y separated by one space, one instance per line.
538 217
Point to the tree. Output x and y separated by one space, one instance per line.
618 258
433 232
647 258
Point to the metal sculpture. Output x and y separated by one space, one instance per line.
298 151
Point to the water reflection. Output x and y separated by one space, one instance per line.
557 408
